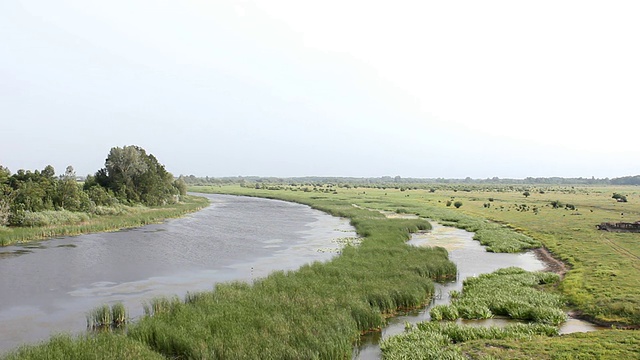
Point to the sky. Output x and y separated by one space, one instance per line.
422 89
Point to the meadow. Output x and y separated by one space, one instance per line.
601 279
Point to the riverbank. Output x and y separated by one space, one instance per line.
318 311
125 217
600 269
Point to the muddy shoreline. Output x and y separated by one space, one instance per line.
559 267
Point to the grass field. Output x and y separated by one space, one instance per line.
603 281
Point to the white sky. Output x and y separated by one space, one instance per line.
332 88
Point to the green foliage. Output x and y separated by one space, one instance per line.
137 177
457 204
106 346
509 292
619 197
432 340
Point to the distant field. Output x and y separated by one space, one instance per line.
603 281
604 277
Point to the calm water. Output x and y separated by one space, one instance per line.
47 287
472 259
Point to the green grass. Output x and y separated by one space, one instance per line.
107 346
316 312
433 340
65 223
606 344
603 275
510 292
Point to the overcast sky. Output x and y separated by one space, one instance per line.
327 88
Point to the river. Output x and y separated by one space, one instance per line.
47 287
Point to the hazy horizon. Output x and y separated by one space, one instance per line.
419 89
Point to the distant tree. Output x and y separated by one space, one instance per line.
619 197
448 203
526 194
457 204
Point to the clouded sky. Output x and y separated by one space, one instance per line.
327 88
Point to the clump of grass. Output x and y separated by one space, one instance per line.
160 305
118 315
509 292
99 317
105 317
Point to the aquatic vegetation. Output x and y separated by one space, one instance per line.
62 223
105 317
436 340
508 292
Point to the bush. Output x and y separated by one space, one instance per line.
457 204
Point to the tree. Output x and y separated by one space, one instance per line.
526 193
457 204
135 176
619 197
70 195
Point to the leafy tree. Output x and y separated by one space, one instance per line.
70 196
135 176
526 194
457 204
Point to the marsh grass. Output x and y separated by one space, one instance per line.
435 340
508 292
48 224
105 318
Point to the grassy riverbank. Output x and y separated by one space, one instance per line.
318 311
66 223
603 267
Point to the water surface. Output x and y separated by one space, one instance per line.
48 286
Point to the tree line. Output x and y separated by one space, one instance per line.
130 176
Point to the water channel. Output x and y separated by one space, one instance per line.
47 287
471 259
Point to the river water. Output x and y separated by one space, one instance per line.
48 287
472 259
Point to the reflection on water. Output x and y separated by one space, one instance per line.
471 259
49 286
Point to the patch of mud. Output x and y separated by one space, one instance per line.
551 263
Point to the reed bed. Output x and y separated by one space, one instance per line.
65 223
105 317
508 292
102 345
434 340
